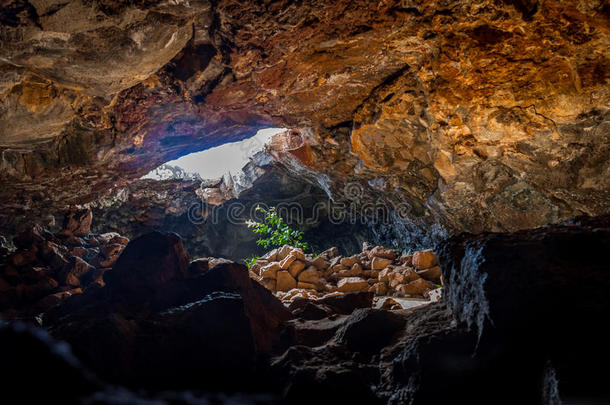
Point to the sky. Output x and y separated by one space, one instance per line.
231 157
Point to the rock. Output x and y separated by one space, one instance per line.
76 269
382 252
23 258
396 278
270 270
329 253
349 261
424 259
311 275
379 288
351 284
434 295
391 305
77 222
347 303
369 330
417 287
384 275
409 273
269 283
296 267
432 274
285 281
319 263
198 266
283 252
149 262
356 270
31 236
53 255
112 249
306 285
271 255
287 261
378 263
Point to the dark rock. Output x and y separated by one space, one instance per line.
369 330
29 356
149 262
77 222
347 303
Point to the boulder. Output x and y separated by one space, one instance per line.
379 288
287 261
382 252
352 284
432 274
347 303
311 275
425 259
417 287
270 271
296 267
77 222
319 263
349 261
149 262
379 263
285 281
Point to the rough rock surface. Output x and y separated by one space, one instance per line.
490 115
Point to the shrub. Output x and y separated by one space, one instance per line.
275 232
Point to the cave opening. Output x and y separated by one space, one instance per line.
432 225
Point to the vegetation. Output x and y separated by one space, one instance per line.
251 261
275 232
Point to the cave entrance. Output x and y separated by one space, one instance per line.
214 163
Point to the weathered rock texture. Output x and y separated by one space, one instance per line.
487 115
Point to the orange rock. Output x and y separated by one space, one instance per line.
425 259
296 267
382 252
285 281
350 284
379 263
270 270
379 288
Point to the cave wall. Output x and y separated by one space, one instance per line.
484 115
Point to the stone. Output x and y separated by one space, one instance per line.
271 255
76 269
379 288
382 252
149 262
285 281
349 261
319 263
391 305
378 263
269 283
303 284
432 274
384 275
112 249
409 273
346 303
77 222
270 270
296 267
283 252
330 253
424 259
368 330
311 275
23 258
287 261
356 270
198 266
351 284
417 287
298 254
397 278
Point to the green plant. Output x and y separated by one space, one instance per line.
251 261
275 232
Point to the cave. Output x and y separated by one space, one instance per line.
296 202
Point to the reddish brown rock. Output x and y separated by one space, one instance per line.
352 284
285 281
425 259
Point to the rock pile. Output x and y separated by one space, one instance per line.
47 268
291 274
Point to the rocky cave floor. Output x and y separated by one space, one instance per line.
521 319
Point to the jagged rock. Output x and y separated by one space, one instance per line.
369 330
417 287
379 288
